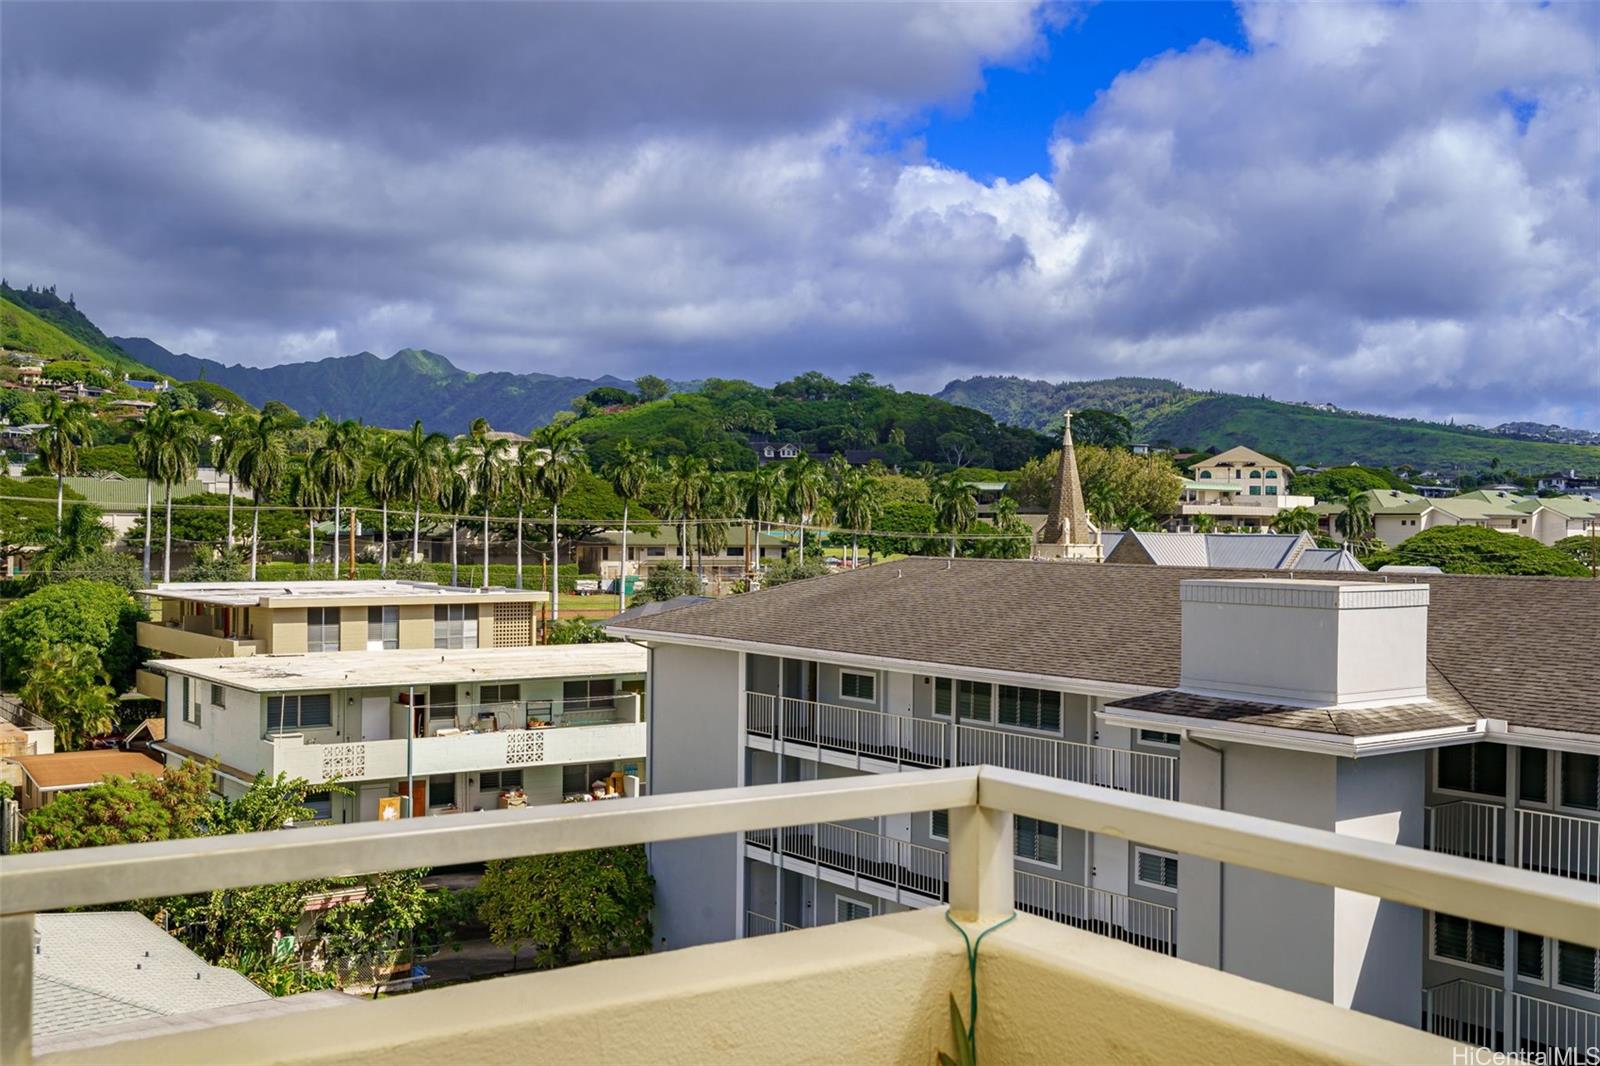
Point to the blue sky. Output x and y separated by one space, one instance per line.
1006 131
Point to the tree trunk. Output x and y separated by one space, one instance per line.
555 563
454 528
519 547
255 535
622 580
802 538
416 530
383 550
149 521
333 555
166 554
311 549
61 487
485 547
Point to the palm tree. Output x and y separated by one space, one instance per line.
420 462
226 453
382 483
717 499
81 537
955 506
170 446
1296 520
143 443
309 492
805 480
686 477
1356 521
455 493
262 461
629 474
761 503
853 507
523 480
66 428
337 467
558 470
486 471
67 685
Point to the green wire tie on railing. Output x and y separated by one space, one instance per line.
972 977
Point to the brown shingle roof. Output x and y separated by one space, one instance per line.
65 769
1511 647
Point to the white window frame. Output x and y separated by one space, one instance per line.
1434 955
383 626
322 627
219 695
1555 789
838 905
1042 864
190 711
1552 784
870 676
1140 738
1481 797
1138 850
1552 966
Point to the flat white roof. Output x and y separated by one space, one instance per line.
399 669
330 593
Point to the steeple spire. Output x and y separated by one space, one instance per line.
1068 520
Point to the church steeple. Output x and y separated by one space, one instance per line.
1068 520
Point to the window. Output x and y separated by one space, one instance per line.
441 701
322 629
1533 775
1272 490
846 909
190 709
1038 841
595 692
1155 869
858 686
1155 736
1255 474
1030 708
499 693
655 553
498 780
939 824
455 625
321 804
1464 940
287 714
970 698
734 551
1205 475
1530 956
442 791
579 776
1577 967
1580 781
1272 474
1475 768
217 696
1255 490
383 628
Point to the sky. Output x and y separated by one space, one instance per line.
1392 208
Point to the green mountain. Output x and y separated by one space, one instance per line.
410 384
1166 412
39 321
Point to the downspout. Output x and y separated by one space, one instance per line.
1222 867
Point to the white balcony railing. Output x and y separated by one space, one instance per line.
759 924
1466 828
1136 921
1464 1011
1559 844
1474 1013
866 859
912 743
1539 1025
1146 773
981 802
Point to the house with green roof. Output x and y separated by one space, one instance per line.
1397 515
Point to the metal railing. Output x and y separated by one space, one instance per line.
867 858
1539 1025
1136 921
1466 828
981 802
915 743
1464 1011
1143 772
534 714
1559 844
756 924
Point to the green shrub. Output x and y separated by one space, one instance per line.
1475 550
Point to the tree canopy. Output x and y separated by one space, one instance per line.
573 907
88 614
1475 550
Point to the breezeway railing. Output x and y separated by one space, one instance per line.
981 802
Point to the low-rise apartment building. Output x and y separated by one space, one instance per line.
1398 515
1339 704
453 730
204 620
1239 487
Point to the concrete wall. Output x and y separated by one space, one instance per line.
695 743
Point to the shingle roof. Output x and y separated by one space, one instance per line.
1498 640
65 769
1446 712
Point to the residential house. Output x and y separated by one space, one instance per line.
1240 487
1367 706
775 451
744 548
1398 515
1236 551
453 730
46 776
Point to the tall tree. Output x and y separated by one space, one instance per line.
167 448
522 479
382 482
687 478
455 495
854 508
1355 523
560 465
629 474
311 495
1295 520
337 467
955 506
263 463
420 467
486 472
761 501
226 451
67 427
805 482
67 687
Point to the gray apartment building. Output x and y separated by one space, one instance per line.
1458 714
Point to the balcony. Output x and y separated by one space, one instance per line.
1474 1013
875 990
1561 844
578 735
1133 921
150 685
870 862
874 740
182 644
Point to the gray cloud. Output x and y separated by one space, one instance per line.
1349 211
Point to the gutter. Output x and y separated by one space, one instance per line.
1339 745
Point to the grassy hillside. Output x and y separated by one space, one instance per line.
37 320
1164 411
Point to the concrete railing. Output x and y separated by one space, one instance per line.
981 802
181 644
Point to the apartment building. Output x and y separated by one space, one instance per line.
744 548
205 620
1372 708
450 730
1397 515
1239 487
